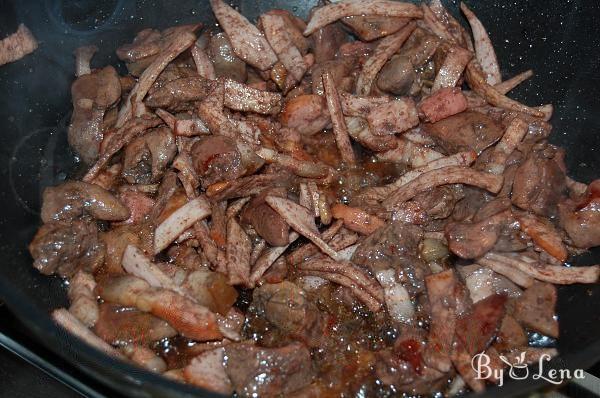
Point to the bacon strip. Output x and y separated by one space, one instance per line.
334 11
443 103
545 235
387 47
440 289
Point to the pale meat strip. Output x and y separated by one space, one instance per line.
444 176
74 326
180 42
301 220
241 97
17 45
370 301
458 159
518 277
83 57
267 258
204 65
509 84
515 132
239 248
247 41
340 130
335 11
309 249
302 168
137 264
181 219
347 270
387 47
484 50
277 35
353 105
477 82
457 59
549 273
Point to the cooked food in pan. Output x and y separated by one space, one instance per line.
349 205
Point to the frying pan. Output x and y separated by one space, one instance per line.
558 39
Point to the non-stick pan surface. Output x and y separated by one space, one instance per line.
558 39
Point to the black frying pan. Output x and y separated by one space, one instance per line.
558 39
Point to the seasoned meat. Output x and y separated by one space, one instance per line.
178 92
287 307
535 308
371 27
466 131
224 60
76 199
391 254
266 221
307 114
471 240
123 325
267 372
476 329
92 95
539 184
344 206
510 335
66 248
17 45
581 220
147 157
326 42
397 76
215 159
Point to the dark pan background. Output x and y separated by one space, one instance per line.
558 39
